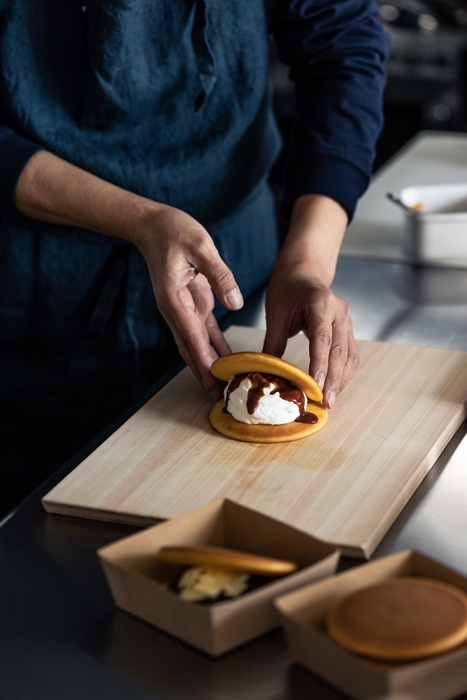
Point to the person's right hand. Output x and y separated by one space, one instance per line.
184 264
185 269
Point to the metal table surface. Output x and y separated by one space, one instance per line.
61 636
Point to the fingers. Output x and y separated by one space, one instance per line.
300 304
199 339
336 363
204 304
184 265
223 284
216 337
282 319
276 337
221 346
353 359
340 371
333 350
191 336
213 274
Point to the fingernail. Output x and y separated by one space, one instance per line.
320 379
331 398
234 299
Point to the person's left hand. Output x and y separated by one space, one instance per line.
296 302
299 297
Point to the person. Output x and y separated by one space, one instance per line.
136 139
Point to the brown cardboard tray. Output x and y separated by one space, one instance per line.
303 614
135 578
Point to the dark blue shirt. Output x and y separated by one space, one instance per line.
170 99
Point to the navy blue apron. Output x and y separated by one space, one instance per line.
169 100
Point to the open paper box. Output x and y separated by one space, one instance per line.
135 577
303 612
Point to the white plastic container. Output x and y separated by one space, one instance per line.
436 226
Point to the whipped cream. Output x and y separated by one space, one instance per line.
257 398
208 583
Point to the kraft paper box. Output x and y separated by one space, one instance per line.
303 614
135 578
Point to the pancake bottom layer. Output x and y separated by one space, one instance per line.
225 424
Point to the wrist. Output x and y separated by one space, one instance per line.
138 220
301 271
314 238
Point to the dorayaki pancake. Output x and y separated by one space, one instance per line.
400 619
238 363
226 558
228 366
225 424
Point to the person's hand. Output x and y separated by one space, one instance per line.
299 297
295 302
183 262
185 269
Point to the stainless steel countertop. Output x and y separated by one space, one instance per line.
400 303
61 634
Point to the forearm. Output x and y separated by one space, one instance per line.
314 238
50 189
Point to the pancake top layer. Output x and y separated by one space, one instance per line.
228 366
226 558
401 618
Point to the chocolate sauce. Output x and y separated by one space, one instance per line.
234 384
307 418
260 382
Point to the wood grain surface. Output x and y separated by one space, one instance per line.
345 485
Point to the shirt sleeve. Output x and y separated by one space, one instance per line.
336 52
15 151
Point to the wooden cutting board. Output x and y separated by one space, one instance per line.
345 485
